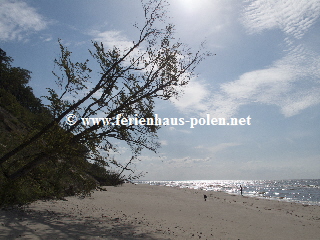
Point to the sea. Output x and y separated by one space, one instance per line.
304 191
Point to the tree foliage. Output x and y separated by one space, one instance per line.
19 87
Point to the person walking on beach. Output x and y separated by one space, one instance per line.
241 190
205 197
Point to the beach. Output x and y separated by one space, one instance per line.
141 211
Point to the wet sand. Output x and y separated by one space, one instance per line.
156 212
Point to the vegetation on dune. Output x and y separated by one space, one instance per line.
21 118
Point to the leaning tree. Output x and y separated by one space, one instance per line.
155 66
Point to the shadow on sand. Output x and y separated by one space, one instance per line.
45 225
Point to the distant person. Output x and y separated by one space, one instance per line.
205 197
241 190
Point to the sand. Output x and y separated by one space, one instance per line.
157 212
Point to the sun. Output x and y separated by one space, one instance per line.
190 5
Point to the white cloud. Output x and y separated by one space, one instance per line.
111 39
193 97
178 130
223 146
291 16
218 148
291 83
17 19
163 143
46 38
189 161
186 161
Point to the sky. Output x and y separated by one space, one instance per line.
267 66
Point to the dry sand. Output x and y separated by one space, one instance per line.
155 212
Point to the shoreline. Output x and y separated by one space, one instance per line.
157 212
303 194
